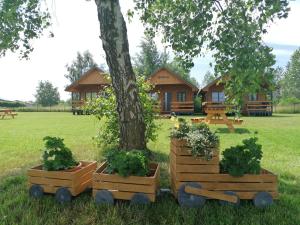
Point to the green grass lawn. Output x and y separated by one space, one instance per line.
21 144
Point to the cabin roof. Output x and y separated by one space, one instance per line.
85 76
206 88
177 76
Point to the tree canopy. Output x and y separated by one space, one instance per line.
47 94
232 30
79 66
20 22
150 59
291 79
208 78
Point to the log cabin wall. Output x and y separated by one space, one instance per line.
174 93
258 105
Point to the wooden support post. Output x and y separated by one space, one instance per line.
211 194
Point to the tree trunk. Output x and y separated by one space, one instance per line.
115 44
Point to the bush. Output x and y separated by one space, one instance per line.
56 155
180 130
127 163
198 105
104 108
242 159
202 140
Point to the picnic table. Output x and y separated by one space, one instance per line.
7 112
216 114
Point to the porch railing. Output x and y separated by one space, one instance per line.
77 103
182 106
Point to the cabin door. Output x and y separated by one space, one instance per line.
167 101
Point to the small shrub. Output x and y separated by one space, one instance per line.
180 130
242 159
56 155
127 163
202 141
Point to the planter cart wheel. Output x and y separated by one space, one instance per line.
190 200
36 191
63 195
232 193
140 199
263 199
104 197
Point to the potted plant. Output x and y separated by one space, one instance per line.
127 175
59 173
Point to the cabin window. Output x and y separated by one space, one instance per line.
253 97
93 95
87 95
181 96
218 96
75 96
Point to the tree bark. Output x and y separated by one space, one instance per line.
115 44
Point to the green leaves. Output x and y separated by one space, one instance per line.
131 163
20 22
199 137
104 108
56 155
47 94
242 159
202 140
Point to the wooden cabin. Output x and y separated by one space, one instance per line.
87 87
173 93
255 104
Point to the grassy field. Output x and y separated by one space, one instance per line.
21 144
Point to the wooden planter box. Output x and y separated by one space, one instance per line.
126 187
183 164
50 181
246 187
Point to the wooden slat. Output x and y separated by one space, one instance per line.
125 187
211 194
81 187
99 176
50 181
235 186
248 178
190 160
87 167
197 168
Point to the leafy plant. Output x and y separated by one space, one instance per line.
104 108
242 159
180 130
56 155
202 140
127 163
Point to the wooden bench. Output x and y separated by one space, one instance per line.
7 112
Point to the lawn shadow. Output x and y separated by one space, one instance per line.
279 116
236 130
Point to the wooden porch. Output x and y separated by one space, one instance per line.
259 108
176 107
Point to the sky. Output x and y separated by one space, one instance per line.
76 28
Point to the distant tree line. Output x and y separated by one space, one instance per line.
11 104
287 81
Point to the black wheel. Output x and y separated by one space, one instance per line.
222 202
263 199
190 200
104 197
63 195
36 191
140 199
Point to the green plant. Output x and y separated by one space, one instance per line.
56 155
202 141
104 108
127 163
180 130
242 159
